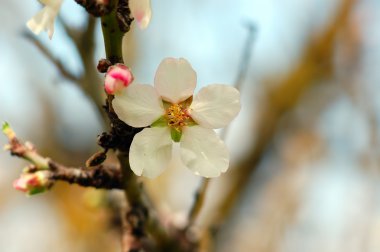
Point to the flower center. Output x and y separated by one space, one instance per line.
176 116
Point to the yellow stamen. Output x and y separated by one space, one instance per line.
176 115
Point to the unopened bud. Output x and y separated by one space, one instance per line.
96 159
108 141
118 77
103 65
33 183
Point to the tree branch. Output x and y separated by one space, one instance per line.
243 68
136 216
105 177
199 198
101 177
314 65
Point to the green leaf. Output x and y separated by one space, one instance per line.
7 130
160 122
175 134
5 126
37 190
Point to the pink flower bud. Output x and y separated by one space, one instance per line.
21 184
118 77
32 183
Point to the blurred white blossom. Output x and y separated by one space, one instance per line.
44 19
141 11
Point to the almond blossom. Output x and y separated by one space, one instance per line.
175 115
141 11
44 19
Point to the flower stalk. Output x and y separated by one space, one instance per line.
26 151
105 177
113 37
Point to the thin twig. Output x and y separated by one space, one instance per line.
199 198
91 81
246 55
101 177
315 64
243 66
106 177
84 42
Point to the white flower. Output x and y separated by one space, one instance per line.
174 114
141 11
44 19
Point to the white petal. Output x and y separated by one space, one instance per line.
151 152
44 19
203 152
138 105
215 106
141 11
175 80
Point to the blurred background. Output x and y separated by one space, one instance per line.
304 172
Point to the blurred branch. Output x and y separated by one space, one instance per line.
90 81
243 66
243 69
315 64
246 55
106 177
72 33
62 69
199 198
352 46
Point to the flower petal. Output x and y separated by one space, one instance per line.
203 152
44 19
175 80
141 11
151 152
215 106
138 105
